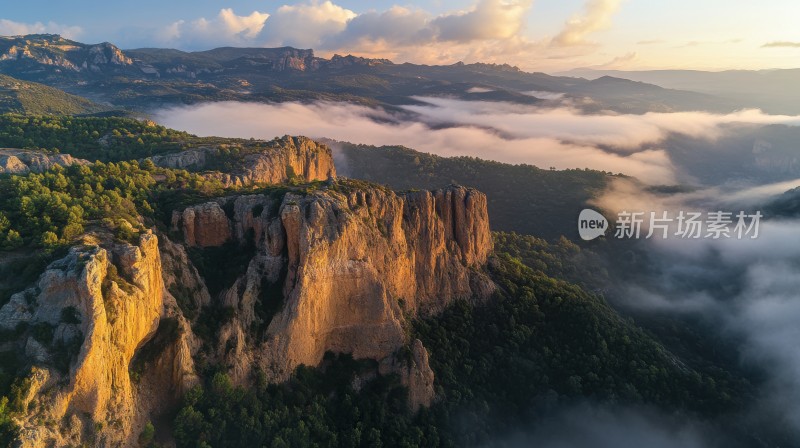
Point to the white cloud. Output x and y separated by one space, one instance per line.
489 19
620 62
225 29
397 26
11 28
781 44
305 25
596 16
247 26
488 31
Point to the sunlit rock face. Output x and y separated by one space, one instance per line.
340 267
22 161
103 301
274 162
347 267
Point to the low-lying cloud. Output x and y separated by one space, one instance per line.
587 425
561 137
750 287
359 124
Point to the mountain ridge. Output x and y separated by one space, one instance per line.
773 90
146 79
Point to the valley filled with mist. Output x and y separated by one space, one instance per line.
261 246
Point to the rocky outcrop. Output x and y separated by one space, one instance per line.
102 305
346 266
338 62
203 225
21 161
270 162
415 372
190 159
340 267
54 51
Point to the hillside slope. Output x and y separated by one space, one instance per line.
24 97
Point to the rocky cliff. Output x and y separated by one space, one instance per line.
21 161
54 51
80 327
112 331
272 162
342 269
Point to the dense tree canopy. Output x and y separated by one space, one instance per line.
92 138
54 207
540 343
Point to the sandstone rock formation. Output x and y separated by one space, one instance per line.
349 266
108 303
204 225
21 161
189 159
273 162
55 51
342 268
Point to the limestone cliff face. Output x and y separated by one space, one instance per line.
204 225
21 161
106 303
274 162
189 159
63 54
344 267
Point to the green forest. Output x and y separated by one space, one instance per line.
23 97
541 343
53 208
107 139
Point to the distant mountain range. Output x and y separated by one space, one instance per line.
774 91
149 78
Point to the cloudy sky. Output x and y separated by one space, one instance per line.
547 35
